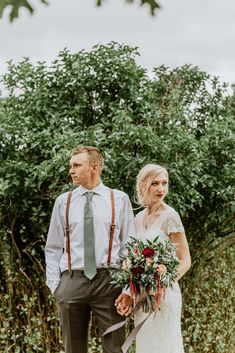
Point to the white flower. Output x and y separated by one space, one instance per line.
155 258
149 261
126 264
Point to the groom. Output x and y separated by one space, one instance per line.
87 232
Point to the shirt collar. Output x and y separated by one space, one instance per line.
97 190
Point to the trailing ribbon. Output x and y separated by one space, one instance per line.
159 293
143 296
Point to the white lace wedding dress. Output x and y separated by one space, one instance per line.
162 333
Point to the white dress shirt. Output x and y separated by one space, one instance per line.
56 256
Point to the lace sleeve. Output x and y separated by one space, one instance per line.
174 223
138 224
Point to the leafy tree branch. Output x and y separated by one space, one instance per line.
16 5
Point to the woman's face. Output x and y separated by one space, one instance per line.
158 189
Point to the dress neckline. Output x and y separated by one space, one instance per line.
155 220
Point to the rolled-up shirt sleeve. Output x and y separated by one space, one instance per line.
128 229
54 246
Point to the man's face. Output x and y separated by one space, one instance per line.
80 169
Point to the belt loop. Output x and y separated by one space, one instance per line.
71 273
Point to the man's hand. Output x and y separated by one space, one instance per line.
123 304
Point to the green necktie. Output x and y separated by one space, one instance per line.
89 241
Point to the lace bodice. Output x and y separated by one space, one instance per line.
167 222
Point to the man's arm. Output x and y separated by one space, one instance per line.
128 225
124 302
54 246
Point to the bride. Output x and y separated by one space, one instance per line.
161 333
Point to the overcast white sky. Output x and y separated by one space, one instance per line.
198 32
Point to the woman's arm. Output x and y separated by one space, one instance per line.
182 251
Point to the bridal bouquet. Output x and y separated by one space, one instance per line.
148 269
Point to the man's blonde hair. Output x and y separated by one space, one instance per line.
94 154
145 178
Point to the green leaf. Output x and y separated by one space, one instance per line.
3 4
153 5
15 7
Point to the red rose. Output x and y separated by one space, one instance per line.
137 271
147 252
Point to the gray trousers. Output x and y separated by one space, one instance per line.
77 296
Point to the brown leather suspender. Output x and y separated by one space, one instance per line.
67 230
111 234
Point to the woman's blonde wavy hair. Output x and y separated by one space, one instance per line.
144 180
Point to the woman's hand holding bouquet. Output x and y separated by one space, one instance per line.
147 270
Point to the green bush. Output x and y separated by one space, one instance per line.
208 316
181 118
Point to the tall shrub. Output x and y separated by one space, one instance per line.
181 118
